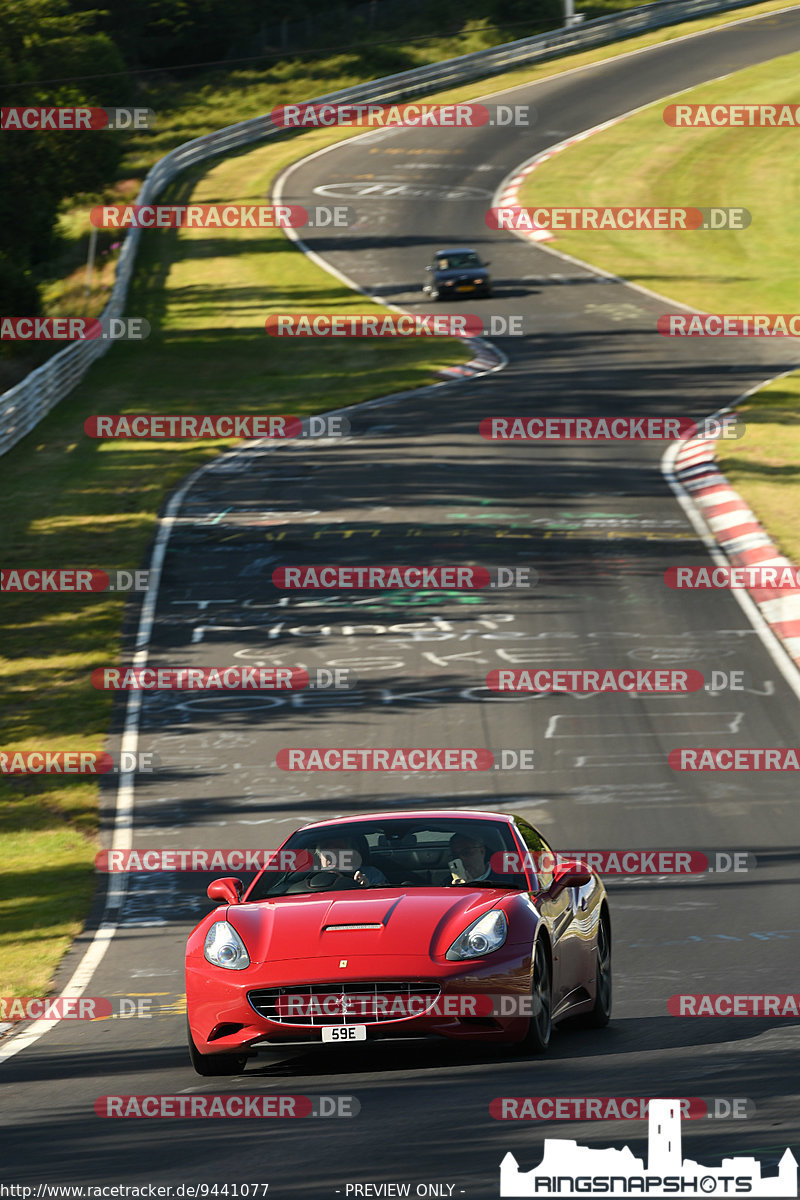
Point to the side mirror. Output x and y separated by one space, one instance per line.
569 875
228 890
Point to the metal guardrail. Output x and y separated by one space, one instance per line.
25 404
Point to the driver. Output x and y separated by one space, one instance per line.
472 854
342 853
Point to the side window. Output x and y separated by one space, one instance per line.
539 850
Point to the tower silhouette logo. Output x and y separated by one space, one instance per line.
568 1169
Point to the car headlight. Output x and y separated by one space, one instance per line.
481 937
479 281
224 947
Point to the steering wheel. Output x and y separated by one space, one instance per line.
323 881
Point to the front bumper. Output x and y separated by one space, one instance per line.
223 1020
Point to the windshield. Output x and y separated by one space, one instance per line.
453 262
395 853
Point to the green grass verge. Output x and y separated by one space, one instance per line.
764 466
66 500
750 271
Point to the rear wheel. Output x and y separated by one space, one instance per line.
214 1064
537 1039
601 1013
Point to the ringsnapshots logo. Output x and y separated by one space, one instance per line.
568 1169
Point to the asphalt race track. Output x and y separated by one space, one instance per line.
414 482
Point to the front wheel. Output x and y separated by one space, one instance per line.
214 1064
537 1039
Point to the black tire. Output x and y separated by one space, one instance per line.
434 293
214 1064
600 1015
540 1028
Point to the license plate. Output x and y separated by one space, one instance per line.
344 1033
467 288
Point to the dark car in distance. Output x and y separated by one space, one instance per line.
457 272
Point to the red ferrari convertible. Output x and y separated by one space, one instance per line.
456 924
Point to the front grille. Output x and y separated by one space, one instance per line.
315 1004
